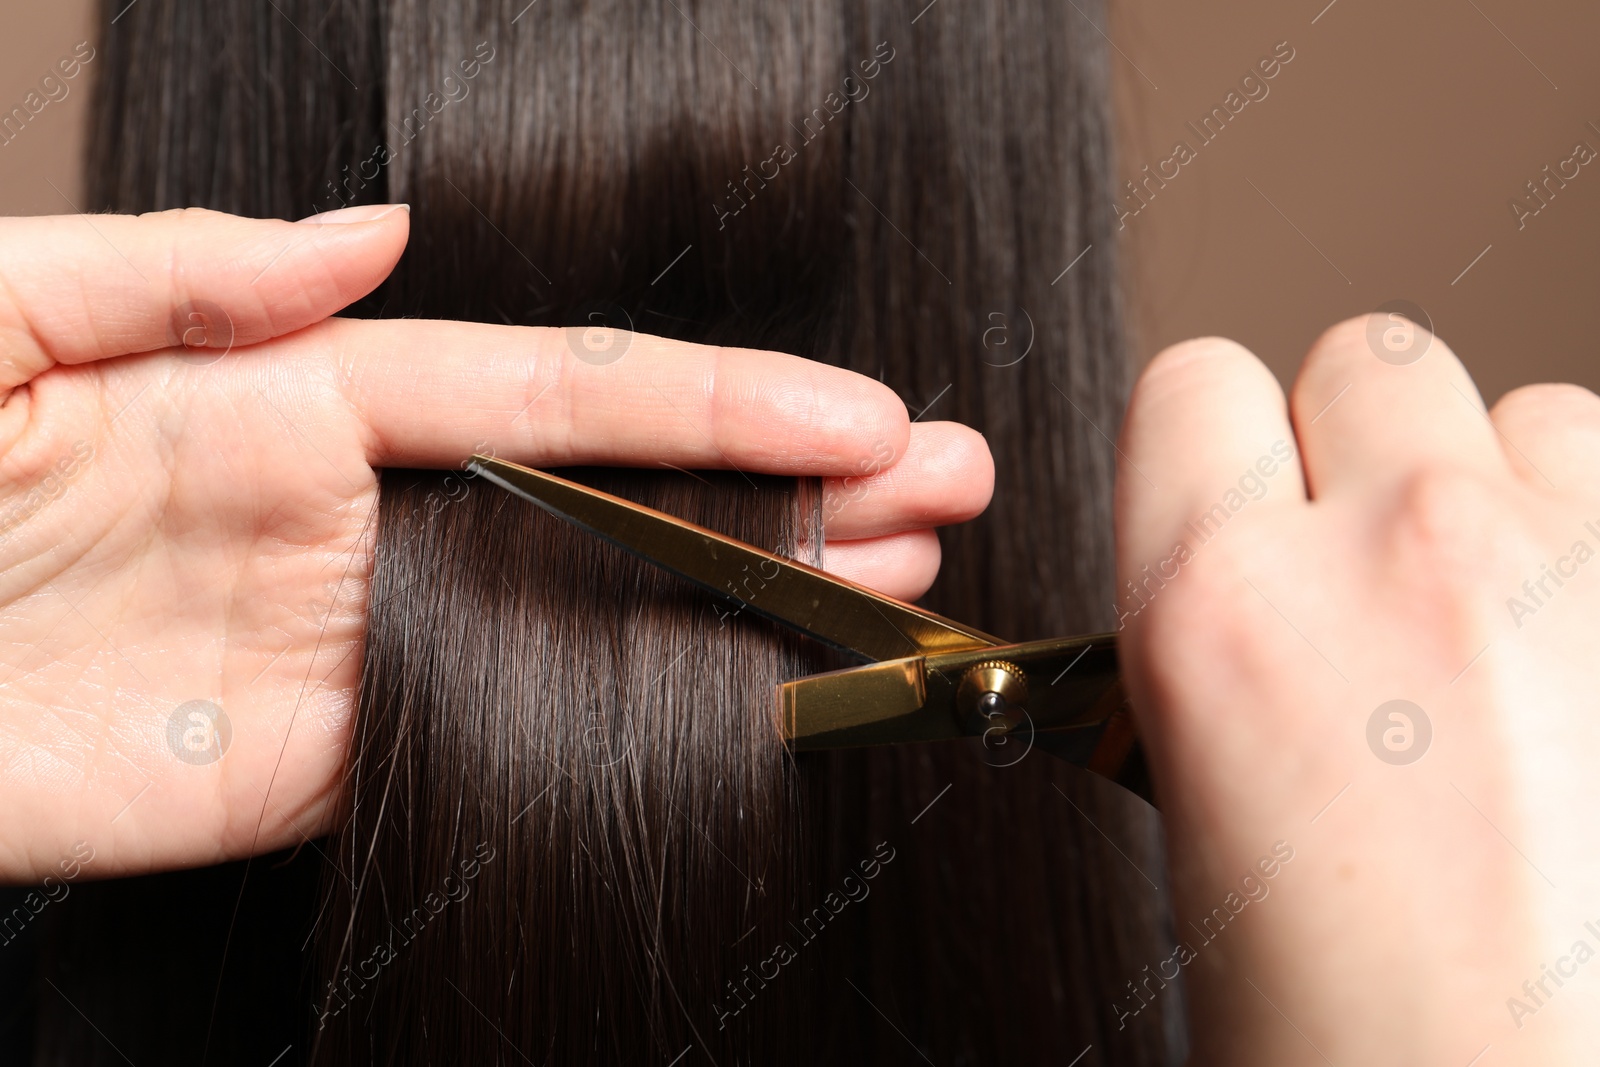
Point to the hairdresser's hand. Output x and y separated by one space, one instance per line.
187 454
1395 543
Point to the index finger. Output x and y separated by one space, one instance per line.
429 393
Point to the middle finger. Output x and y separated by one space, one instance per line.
945 476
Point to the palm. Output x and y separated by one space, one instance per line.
224 559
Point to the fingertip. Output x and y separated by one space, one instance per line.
1362 334
359 213
1343 334
1199 362
955 457
1201 413
881 412
1539 403
1551 434
1361 345
902 565
272 277
946 476
357 248
973 466
1328 365
1203 372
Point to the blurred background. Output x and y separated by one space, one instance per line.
1380 163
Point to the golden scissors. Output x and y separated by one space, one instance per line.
927 678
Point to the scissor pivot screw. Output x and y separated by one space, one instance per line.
992 696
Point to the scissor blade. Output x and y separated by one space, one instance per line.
836 612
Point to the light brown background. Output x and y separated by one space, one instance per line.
35 36
1394 142
1390 146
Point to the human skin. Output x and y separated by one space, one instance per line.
181 522
1379 564
166 517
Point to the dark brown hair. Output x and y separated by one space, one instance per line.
940 218
572 814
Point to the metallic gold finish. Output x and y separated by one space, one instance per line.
1073 685
993 696
930 678
1074 706
881 703
836 612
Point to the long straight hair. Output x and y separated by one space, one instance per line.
918 192
571 812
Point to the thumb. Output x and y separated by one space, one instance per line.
76 288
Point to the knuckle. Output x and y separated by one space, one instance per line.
1450 515
548 409
723 394
1451 537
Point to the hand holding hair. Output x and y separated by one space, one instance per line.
1380 657
188 445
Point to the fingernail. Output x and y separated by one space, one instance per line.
364 213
